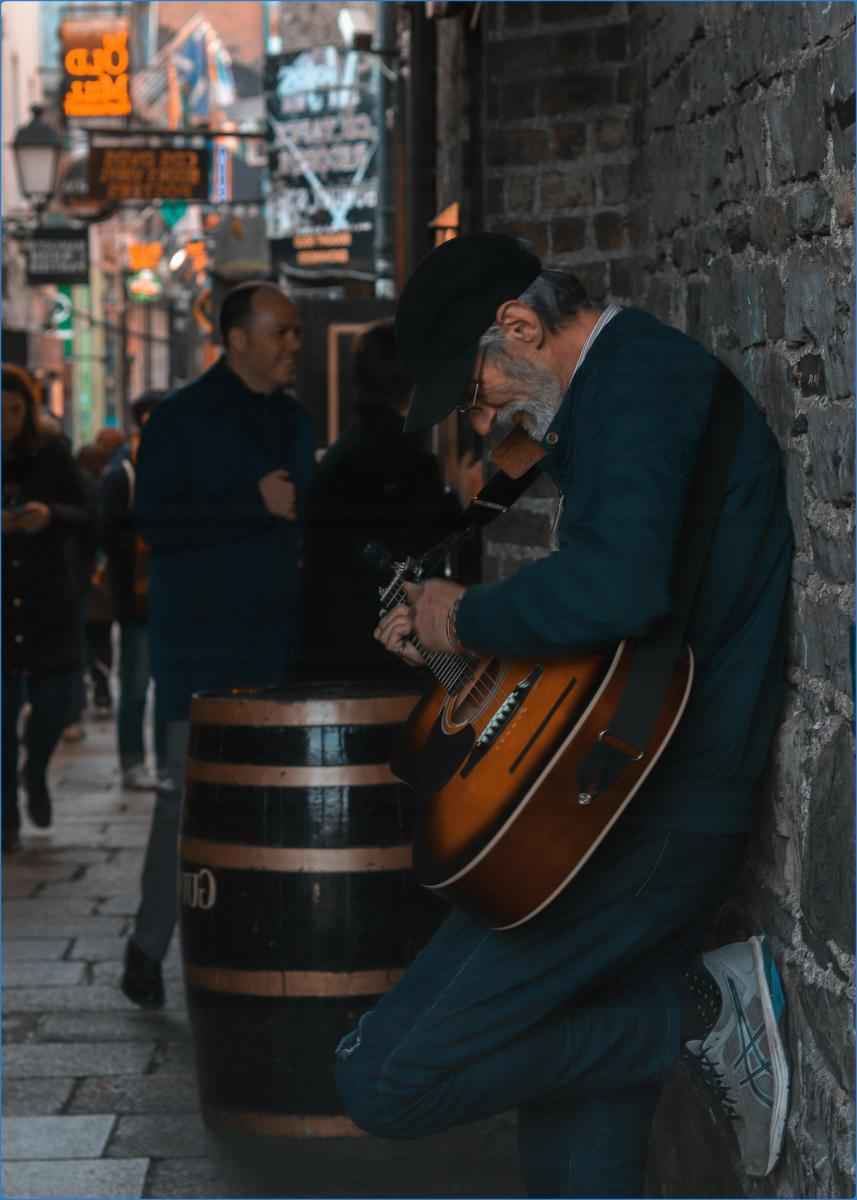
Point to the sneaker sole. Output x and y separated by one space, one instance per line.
768 978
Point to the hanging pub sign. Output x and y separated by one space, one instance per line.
96 62
144 286
58 256
324 127
148 173
145 256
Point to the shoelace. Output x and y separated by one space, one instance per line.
706 1075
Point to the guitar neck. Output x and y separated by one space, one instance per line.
451 669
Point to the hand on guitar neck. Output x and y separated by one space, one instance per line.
424 618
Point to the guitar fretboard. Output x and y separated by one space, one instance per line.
452 670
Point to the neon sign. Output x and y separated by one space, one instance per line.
103 90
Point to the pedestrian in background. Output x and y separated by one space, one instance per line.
375 484
95 594
112 443
44 503
222 472
128 572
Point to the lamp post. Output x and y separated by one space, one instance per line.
37 148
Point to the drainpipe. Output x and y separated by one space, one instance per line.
385 248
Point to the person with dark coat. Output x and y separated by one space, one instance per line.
579 1015
375 484
128 572
44 504
222 475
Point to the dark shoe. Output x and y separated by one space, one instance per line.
38 799
142 981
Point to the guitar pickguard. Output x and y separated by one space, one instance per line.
443 755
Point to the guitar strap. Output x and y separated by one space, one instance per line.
518 457
497 497
655 655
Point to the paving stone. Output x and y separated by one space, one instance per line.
35 1097
182 1135
80 999
46 911
484 1155
26 866
55 1137
136 1094
71 888
18 950
71 926
50 859
77 1058
112 1178
132 1025
104 834
125 905
108 972
20 1027
20 889
182 1177
96 949
175 1057
54 974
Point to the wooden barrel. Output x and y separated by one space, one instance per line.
297 904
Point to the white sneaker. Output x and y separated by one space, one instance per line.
139 779
743 1061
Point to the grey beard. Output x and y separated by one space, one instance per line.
544 397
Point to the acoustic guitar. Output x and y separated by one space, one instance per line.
494 752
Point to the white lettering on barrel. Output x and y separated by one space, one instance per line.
198 889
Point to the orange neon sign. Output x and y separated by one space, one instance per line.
103 92
144 255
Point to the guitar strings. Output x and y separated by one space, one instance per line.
451 669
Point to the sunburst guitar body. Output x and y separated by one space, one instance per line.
502 826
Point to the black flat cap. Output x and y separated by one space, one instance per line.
447 304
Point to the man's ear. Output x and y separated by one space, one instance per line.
236 339
520 323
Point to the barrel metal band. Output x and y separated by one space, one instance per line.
281 1124
250 775
296 858
383 710
293 983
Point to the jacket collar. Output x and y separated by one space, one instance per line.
223 388
557 440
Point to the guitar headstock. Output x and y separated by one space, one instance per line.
412 570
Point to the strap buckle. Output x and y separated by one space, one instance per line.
617 743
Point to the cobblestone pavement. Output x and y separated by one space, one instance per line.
99 1097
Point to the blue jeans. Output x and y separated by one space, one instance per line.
574 1018
133 686
52 697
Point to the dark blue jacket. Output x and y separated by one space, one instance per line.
224 573
623 450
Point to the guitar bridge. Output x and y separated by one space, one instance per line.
501 719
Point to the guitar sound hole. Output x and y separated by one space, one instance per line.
473 698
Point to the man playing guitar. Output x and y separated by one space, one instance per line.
578 1016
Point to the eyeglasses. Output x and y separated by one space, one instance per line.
471 405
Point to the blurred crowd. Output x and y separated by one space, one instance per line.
216 547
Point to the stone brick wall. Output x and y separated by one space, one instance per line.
745 204
698 160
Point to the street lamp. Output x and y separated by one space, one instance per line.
37 148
